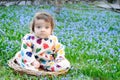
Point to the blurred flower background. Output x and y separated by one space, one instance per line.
91 36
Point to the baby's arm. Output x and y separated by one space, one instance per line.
60 63
27 56
59 50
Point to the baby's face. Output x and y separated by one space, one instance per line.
42 29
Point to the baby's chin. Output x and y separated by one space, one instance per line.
43 36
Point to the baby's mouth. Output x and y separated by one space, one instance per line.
42 34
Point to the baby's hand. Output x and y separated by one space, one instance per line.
36 64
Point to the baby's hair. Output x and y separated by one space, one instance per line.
42 15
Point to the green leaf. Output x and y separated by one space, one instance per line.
24 46
38 49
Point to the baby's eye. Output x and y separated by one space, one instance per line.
46 27
38 26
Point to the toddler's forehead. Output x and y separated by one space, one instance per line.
42 22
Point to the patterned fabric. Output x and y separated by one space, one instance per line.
48 51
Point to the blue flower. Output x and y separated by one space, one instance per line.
29 54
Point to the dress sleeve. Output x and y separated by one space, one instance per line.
27 50
59 49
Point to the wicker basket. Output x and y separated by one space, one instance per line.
18 68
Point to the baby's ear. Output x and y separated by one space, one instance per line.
52 32
31 27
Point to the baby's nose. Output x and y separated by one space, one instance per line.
42 29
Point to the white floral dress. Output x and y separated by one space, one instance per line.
48 51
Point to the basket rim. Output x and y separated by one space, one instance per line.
16 67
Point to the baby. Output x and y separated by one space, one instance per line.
40 48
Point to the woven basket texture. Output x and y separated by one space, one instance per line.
40 72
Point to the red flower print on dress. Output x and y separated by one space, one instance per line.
52 69
25 61
45 46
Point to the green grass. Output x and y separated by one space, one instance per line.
91 36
